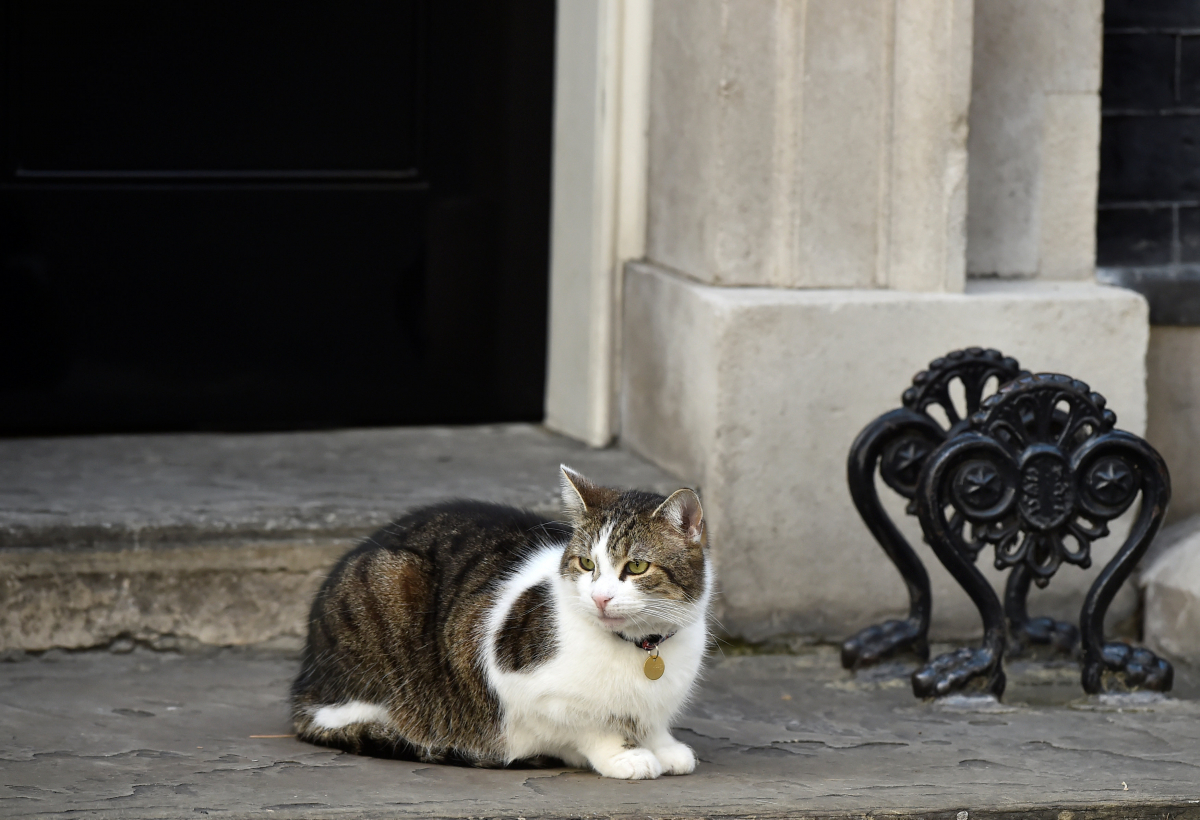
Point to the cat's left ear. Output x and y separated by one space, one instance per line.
683 511
578 494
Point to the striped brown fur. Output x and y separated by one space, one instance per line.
399 622
526 638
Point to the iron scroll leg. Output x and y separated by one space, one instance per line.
971 668
955 671
906 438
1118 665
1023 630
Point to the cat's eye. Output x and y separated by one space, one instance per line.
637 567
587 563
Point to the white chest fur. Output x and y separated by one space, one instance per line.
593 691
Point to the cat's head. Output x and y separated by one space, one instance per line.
636 561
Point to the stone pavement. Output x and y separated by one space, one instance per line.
144 543
170 735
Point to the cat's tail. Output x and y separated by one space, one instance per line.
365 729
355 727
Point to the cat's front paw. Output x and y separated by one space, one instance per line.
678 758
631 764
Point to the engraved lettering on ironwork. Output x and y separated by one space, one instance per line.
1047 497
1111 481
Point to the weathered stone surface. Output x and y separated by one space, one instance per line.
142 490
799 144
1173 411
218 539
164 735
1171 580
758 393
1034 145
219 594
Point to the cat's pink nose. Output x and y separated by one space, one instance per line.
601 600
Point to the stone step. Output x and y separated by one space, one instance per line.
171 735
173 540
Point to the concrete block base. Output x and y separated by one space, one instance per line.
757 393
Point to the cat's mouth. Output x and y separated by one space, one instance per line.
613 622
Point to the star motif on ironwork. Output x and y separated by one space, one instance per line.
909 456
1112 479
978 482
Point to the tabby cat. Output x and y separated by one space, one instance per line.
481 634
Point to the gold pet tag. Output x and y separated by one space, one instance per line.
654 666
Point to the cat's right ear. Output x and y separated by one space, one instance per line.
683 511
575 491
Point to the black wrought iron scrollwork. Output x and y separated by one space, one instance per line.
1037 475
1058 635
901 440
973 475
972 368
1034 473
1115 469
897 444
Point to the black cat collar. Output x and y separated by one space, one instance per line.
649 642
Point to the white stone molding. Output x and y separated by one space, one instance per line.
598 211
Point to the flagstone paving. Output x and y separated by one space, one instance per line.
169 735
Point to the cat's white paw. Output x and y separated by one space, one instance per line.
631 764
677 758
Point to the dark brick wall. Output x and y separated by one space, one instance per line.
1149 204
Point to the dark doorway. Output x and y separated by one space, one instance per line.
250 214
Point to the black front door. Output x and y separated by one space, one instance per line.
251 214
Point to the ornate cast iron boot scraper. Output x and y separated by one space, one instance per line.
1036 471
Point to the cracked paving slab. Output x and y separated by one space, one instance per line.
165 735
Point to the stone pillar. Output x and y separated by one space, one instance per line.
598 216
810 144
1035 139
805 257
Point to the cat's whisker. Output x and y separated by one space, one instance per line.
717 621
